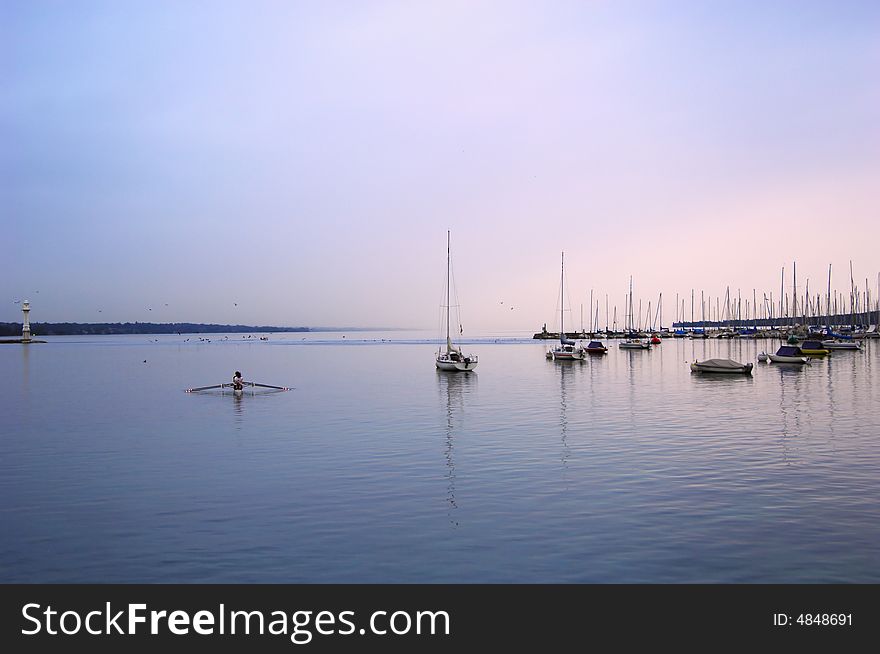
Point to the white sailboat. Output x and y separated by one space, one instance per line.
633 342
452 358
567 350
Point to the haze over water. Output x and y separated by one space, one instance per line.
198 162
378 468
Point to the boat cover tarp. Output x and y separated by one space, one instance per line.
812 345
596 345
720 363
789 351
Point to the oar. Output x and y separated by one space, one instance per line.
205 388
277 388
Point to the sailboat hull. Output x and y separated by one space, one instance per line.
776 358
452 358
556 355
634 345
455 366
839 345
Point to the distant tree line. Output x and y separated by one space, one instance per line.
109 328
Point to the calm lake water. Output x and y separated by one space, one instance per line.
378 468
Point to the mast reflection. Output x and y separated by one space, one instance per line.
453 390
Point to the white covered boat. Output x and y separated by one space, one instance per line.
832 344
789 354
634 344
722 366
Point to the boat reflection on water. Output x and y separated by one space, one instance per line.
790 408
566 376
454 389
715 378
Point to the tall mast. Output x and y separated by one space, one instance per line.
631 319
806 309
781 291
562 299
755 307
606 309
852 293
447 288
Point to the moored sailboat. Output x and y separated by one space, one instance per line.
452 358
567 350
633 340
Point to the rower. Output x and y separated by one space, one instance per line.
237 381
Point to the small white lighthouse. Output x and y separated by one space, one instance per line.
26 326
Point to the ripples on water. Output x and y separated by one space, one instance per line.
622 468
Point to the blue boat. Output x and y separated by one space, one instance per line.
596 347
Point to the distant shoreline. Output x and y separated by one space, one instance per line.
115 328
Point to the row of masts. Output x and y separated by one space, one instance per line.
790 307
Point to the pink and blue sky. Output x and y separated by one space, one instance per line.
303 160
